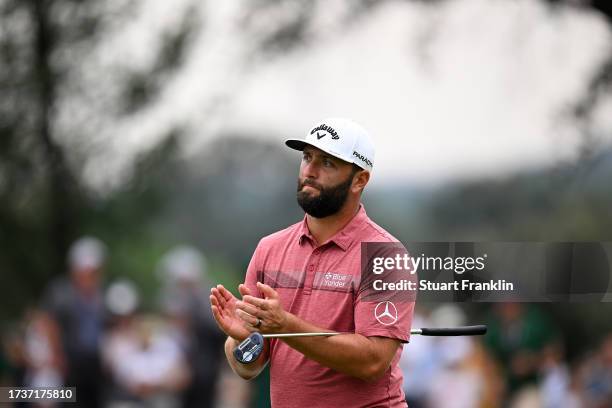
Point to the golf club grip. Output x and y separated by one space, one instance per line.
455 331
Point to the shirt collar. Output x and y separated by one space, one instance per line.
342 238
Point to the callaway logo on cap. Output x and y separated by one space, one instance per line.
342 138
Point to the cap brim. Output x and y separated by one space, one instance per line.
298 144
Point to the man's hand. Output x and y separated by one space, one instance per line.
263 315
223 305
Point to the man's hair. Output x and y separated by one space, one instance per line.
355 169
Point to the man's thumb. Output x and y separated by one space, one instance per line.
243 289
267 291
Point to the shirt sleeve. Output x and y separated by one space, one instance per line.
385 313
254 272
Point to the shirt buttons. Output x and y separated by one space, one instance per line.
311 268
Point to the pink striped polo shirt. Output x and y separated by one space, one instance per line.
321 285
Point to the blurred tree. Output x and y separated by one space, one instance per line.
45 203
602 6
600 83
56 104
297 23
234 192
38 188
557 204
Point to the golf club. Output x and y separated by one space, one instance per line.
251 347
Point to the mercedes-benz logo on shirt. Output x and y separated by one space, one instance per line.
386 313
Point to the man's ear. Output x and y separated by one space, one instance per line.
360 180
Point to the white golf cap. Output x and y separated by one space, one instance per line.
85 253
341 138
183 263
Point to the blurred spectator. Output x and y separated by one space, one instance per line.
122 300
76 305
147 365
120 339
184 299
31 355
42 352
464 372
457 365
596 377
419 363
517 334
462 387
555 383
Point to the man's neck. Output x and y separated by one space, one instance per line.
323 229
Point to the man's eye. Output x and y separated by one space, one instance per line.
328 163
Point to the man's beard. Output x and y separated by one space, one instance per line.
329 200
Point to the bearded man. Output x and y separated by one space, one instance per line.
308 278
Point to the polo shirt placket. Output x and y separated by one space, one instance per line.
311 268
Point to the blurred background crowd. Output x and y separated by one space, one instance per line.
100 339
142 158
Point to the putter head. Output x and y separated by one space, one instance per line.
250 348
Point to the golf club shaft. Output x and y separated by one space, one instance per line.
425 331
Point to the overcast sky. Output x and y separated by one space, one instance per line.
469 88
